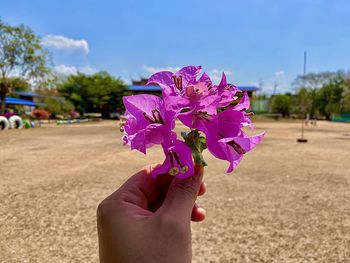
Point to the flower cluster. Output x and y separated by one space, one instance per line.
41 114
215 114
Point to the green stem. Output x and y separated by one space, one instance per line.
197 144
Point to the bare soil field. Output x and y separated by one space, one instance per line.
286 202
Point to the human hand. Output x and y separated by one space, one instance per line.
148 220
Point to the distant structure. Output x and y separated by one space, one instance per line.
140 87
28 100
141 82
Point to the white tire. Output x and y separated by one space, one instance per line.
16 122
4 123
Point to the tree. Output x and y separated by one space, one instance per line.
20 54
328 98
317 80
19 84
281 103
99 92
322 93
304 101
58 106
345 101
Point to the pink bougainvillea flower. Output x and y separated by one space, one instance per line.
233 148
226 91
199 119
189 97
178 160
148 122
225 138
244 103
171 83
183 90
218 111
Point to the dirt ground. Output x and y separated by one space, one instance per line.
287 202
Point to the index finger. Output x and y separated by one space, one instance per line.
142 186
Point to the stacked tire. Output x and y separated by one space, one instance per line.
14 122
4 123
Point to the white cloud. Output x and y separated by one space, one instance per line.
125 80
279 73
153 70
216 74
65 43
64 70
254 83
278 82
87 70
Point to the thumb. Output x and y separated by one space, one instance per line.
182 195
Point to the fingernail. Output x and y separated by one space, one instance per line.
201 210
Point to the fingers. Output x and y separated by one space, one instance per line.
198 213
146 183
138 189
202 189
182 195
149 193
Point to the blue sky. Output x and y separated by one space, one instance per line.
250 40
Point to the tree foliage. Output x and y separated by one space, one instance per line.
345 101
18 84
281 103
20 54
99 92
323 94
58 106
303 103
317 80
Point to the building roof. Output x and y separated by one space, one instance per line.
157 88
27 94
9 100
144 88
248 88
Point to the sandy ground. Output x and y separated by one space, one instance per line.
286 202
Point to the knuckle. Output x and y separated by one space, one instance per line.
103 211
170 224
168 220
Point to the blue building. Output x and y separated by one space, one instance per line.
28 100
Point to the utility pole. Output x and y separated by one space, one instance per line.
302 139
260 85
305 57
274 88
260 99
